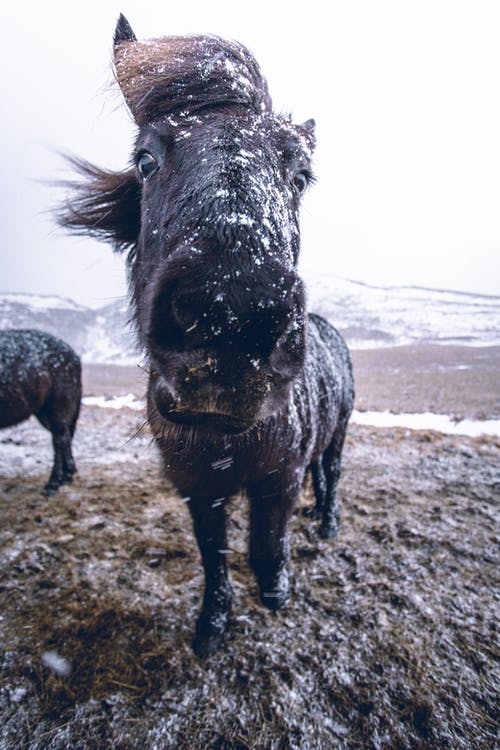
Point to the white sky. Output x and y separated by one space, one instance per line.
406 96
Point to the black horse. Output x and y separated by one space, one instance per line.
246 391
41 375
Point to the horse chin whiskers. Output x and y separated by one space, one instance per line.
222 421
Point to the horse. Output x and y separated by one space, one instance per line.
41 375
246 391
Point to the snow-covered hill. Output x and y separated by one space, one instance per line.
387 316
101 335
368 316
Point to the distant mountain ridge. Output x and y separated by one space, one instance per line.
389 316
368 316
97 335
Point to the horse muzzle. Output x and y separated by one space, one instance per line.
205 408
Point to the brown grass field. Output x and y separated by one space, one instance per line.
389 640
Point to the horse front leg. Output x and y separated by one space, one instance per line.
209 523
69 466
319 487
57 474
331 462
270 512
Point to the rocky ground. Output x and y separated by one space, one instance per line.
389 639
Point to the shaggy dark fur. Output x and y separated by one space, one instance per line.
246 391
41 375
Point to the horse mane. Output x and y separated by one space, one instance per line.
182 74
105 205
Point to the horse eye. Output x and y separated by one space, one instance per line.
146 164
300 181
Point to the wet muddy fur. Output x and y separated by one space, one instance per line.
246 390
41 375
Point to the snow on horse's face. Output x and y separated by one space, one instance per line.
209 213
220 307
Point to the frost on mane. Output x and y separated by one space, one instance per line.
182 74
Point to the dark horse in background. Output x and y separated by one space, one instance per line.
246 391
41 375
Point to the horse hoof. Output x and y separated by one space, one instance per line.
313 513
274 600
275 595
206 645
50 490
328 531
208 638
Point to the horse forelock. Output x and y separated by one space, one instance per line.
183 74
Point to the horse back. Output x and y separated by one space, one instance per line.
35 369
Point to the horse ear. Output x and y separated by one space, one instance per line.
308 130
123 32
124 42
309 125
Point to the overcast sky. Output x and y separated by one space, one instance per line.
406 96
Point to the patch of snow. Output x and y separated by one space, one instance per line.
56 663
428 421
115 402
18 694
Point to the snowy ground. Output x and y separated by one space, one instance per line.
428 421
389 638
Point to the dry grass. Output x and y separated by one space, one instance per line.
388 641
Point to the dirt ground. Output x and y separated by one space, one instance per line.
456 380
389 640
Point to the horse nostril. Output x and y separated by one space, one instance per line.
191 310
171 319
265 328
185 313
